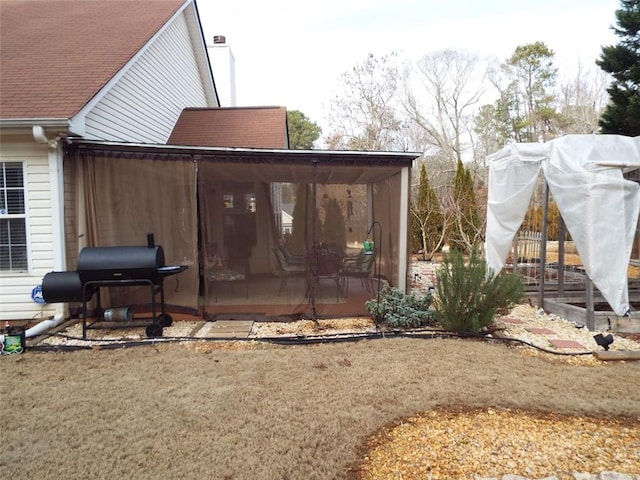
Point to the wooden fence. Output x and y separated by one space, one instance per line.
527 247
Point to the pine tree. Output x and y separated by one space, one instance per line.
464 223
334 225
302 231
302 131
622 115
427 223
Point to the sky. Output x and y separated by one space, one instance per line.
292 53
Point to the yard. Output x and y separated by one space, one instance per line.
258 411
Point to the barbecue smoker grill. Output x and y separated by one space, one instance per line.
114 267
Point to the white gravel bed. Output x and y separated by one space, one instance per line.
308 327
533 318
72 335
564 330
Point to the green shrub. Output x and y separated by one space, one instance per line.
400 310
469 295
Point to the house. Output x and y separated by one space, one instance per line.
106 138
287 218
65 73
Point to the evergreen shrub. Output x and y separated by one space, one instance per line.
399 310
470 294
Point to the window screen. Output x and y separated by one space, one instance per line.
13 237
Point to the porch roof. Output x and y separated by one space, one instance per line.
269 165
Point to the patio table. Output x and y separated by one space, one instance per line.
226 275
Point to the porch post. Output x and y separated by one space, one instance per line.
403 240
314 260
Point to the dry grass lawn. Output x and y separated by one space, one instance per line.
219 411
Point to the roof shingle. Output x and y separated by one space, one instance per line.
242 127
55 55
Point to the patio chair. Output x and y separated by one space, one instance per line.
287 269
329 267
360 267
291 258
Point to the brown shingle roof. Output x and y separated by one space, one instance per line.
242 127
55 55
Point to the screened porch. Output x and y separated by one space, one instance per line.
281 233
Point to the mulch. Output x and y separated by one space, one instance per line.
461 442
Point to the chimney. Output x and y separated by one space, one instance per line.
224 70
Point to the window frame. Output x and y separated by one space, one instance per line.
5 216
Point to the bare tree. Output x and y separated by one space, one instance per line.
582 100
441 99
364 116
450 84
494 123
460 220
430 245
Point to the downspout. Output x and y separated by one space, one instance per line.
45 325
56 182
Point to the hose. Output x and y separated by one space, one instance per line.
112 344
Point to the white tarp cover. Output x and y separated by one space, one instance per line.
600 208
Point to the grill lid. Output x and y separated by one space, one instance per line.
120 263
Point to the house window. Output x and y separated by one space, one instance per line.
13 235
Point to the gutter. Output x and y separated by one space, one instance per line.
30 122
62 127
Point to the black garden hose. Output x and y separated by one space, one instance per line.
112 344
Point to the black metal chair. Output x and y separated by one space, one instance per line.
328 266
293 259
287 269
360 267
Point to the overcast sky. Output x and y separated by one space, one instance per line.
292 52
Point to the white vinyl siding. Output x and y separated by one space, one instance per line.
16 288
145 103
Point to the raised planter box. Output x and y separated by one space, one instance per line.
574 310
